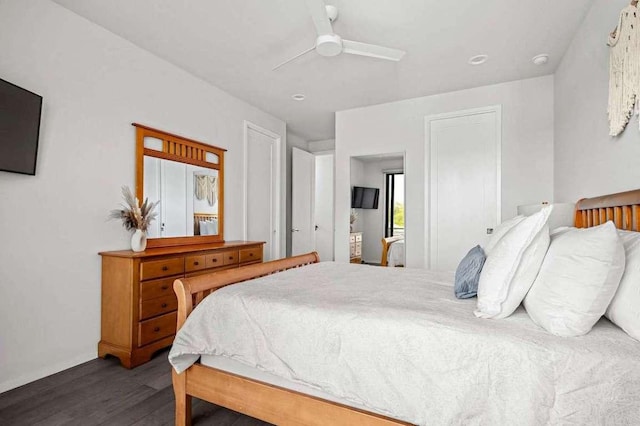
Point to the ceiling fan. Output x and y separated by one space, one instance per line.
330 44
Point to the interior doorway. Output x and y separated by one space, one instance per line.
378 176
312 199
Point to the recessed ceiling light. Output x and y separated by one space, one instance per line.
478 59
540 59
298 97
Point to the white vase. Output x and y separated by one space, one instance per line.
139 240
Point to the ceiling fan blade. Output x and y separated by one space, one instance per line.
365 49
320 18
295 57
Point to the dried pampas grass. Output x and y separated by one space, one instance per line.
133 215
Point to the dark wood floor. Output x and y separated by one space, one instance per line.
101 392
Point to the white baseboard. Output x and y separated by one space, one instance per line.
46 371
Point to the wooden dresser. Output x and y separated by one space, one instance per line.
355 247
138 302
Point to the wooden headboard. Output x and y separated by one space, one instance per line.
622 208
197 217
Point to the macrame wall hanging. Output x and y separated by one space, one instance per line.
206 187
624 69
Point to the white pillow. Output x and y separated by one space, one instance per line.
624 310
577 280
212 227
512 266
499 232
204 230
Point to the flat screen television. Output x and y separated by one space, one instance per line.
19 128
364 198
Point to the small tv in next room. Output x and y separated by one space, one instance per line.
19 128
364 198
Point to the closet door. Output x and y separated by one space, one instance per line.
464 150
174 199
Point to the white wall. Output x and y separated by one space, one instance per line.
53 225
322 146
293 140
588 162
373 219
527 149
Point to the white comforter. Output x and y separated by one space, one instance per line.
398 342
395 256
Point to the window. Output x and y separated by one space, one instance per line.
394 204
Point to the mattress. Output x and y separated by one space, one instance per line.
397 342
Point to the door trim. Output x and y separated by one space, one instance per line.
429 164
276 178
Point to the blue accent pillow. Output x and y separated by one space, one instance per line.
468 273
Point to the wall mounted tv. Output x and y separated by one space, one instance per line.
19 128
364 198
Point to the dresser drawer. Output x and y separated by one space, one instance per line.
157 328
195 263
358 238
157 288
158 306
161 268
358 249
352 238
214 260
250 255
230 257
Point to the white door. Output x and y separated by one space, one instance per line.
261 171
302 202
324 207
465 182
174 199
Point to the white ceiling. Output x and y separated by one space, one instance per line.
234 44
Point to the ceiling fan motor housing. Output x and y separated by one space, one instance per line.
329 45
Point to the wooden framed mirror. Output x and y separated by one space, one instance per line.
187 177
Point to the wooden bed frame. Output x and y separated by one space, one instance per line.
251 397
282 406
386 243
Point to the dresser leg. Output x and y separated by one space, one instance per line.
125 357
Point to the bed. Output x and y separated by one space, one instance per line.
205 218
269 356
392 251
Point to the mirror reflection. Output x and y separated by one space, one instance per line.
188 197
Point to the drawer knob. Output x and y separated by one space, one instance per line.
250 254
214 260
230 257
165 268
164 287
156 329
196 263
164 305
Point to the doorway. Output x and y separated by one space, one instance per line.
312 198
463 150
381 174
261 188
